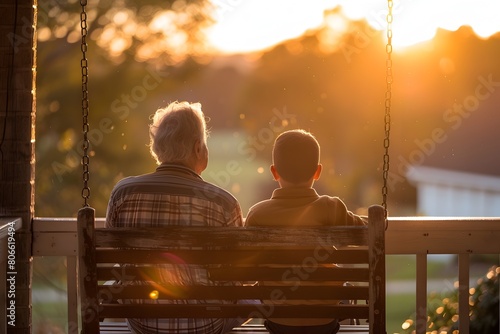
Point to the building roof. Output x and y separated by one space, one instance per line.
472 141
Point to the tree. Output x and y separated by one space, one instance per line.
137 50
166 32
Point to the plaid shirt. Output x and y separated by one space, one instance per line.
173 195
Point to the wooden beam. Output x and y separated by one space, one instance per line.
17 169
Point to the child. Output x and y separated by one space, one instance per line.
295 167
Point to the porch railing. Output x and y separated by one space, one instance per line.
420 236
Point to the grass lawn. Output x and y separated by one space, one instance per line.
51 317
399 308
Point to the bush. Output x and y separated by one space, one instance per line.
484 301
484 309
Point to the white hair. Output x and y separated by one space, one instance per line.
174 131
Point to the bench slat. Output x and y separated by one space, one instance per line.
291 274
232 311
231 256
183 236
151 273
170 291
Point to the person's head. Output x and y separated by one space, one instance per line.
178 135
296 158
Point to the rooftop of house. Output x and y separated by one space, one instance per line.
472 143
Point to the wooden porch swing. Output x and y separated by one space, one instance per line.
234 254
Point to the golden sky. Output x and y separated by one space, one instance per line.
250 25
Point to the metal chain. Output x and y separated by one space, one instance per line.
388 96
85 105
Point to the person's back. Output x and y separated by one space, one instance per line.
172 195
175 194
295 167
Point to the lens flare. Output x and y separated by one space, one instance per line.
154 294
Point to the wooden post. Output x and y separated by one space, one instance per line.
17 141
376 242
87 273
463 292
421 306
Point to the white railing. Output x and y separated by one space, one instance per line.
420 236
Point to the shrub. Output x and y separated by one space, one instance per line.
484 309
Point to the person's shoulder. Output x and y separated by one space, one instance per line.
332 200
132 184
259 213
210 192
124 183
341 211
260 206
214 190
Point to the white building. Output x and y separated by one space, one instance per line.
445 192
461 175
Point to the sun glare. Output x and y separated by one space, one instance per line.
245 26
406 34
259 24
418 21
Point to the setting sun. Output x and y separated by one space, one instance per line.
246 26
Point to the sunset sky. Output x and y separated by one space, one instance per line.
245 25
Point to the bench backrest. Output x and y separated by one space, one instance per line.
282 257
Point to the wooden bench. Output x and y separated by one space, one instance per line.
286 255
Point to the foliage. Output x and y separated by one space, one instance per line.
122 93
166 32
484 308
485 304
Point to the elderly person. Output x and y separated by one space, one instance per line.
175 194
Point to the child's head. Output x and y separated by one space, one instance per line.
296 156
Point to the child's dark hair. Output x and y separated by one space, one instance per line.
296 155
